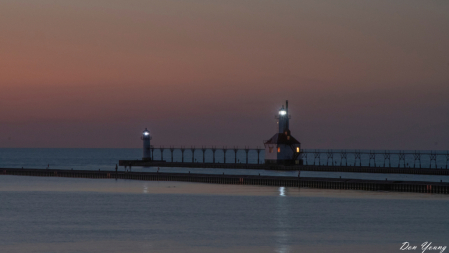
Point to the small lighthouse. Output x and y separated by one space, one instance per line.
146 145
282 148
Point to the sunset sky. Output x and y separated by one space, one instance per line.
357 74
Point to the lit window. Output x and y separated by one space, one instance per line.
297 150
279 150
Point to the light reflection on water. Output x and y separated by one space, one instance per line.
282 221
282 191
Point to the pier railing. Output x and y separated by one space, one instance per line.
311 157
377 158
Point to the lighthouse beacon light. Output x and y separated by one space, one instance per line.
146 145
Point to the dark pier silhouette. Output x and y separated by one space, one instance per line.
363 161
357 169
309 182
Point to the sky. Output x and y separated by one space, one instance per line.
358 74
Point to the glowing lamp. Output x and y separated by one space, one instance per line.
282 112
146 145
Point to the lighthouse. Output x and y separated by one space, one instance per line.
282 148
146 137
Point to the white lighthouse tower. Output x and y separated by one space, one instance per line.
146 145
282 148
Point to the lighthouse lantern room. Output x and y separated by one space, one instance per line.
282 148
146 137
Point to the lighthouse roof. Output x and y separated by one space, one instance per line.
282 138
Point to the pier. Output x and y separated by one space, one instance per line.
302 182
359 161
356 169
316 157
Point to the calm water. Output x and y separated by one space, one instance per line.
87 215
39 214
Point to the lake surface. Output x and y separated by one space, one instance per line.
103 215
39 214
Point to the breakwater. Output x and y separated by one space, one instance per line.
310 182
359 169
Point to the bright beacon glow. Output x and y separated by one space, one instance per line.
282 191
282 112
146 133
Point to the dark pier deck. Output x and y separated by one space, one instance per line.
359 169
323 183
